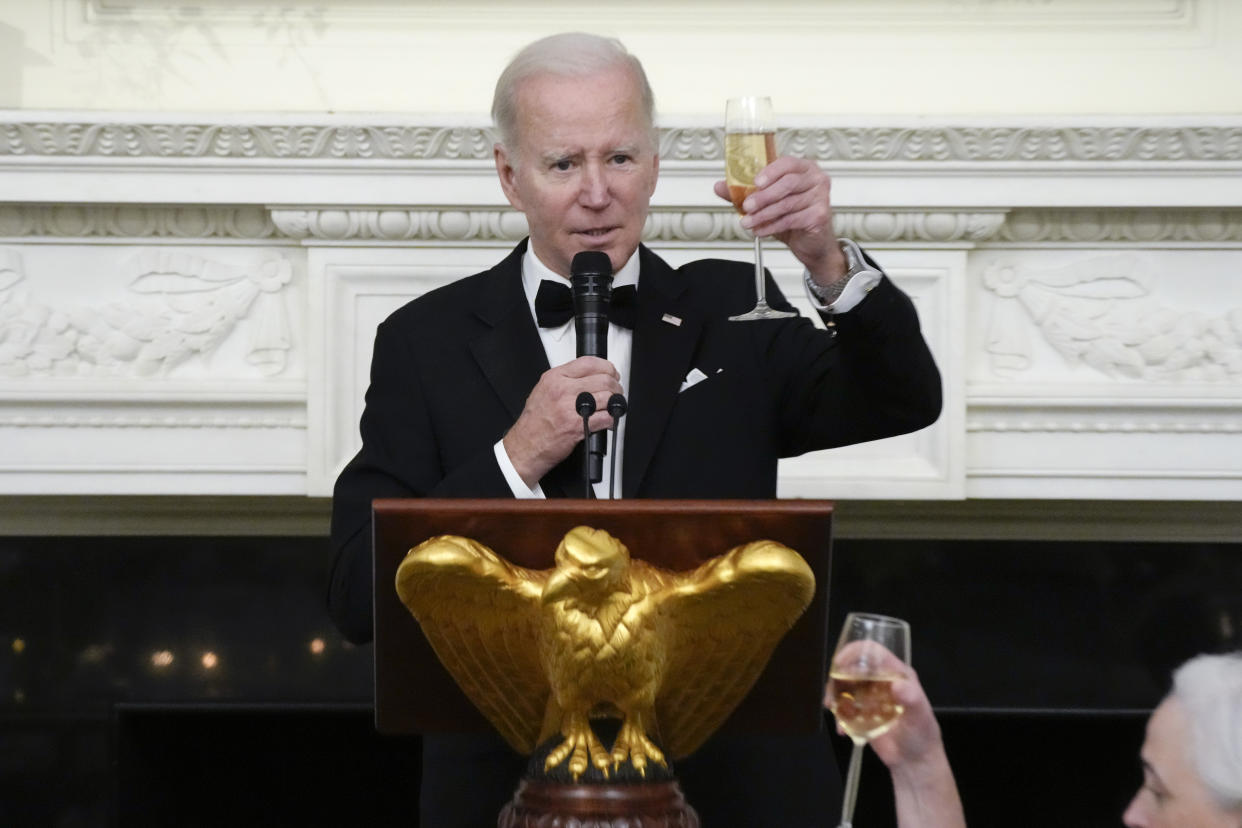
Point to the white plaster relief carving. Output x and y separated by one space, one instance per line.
694 226
244 141
1003 424
925 144
663 225
694 144
939 205
1113 226
138 221
1030 144
402 225
1099 312
917 225
1018 226
179 306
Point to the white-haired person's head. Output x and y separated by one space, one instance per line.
567 54
578 154
1192 756
1210 691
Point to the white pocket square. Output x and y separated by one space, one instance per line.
693 378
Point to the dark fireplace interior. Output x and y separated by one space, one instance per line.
198 681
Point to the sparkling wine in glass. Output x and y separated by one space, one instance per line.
868 659
750 145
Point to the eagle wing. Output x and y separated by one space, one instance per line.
481 615
727 617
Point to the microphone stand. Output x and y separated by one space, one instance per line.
617 408
585 404
612 471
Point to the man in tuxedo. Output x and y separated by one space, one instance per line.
470 397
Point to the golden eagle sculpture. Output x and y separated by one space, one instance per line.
542 653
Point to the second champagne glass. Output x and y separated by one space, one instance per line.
750 145
868 659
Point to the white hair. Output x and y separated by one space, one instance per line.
566 54
1209 689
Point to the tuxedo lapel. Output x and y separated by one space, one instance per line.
665 332
511 356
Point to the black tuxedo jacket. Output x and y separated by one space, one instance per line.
452 369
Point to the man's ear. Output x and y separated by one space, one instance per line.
507 173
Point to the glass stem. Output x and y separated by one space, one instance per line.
760 282
851 786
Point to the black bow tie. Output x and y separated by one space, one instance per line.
554 305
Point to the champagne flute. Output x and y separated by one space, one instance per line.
750 145
867 661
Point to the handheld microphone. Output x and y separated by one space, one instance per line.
617 408
590 277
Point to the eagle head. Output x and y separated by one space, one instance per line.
590 563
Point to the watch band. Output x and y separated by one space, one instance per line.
855 263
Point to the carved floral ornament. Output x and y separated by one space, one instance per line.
179 306
1099 312
931 144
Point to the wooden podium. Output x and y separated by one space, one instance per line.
414 693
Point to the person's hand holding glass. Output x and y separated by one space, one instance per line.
870 656
750 145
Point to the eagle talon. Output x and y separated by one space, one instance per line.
632 744
581 748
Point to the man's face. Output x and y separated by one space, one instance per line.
584 167
1173 795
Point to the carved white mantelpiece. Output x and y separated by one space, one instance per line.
187 305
